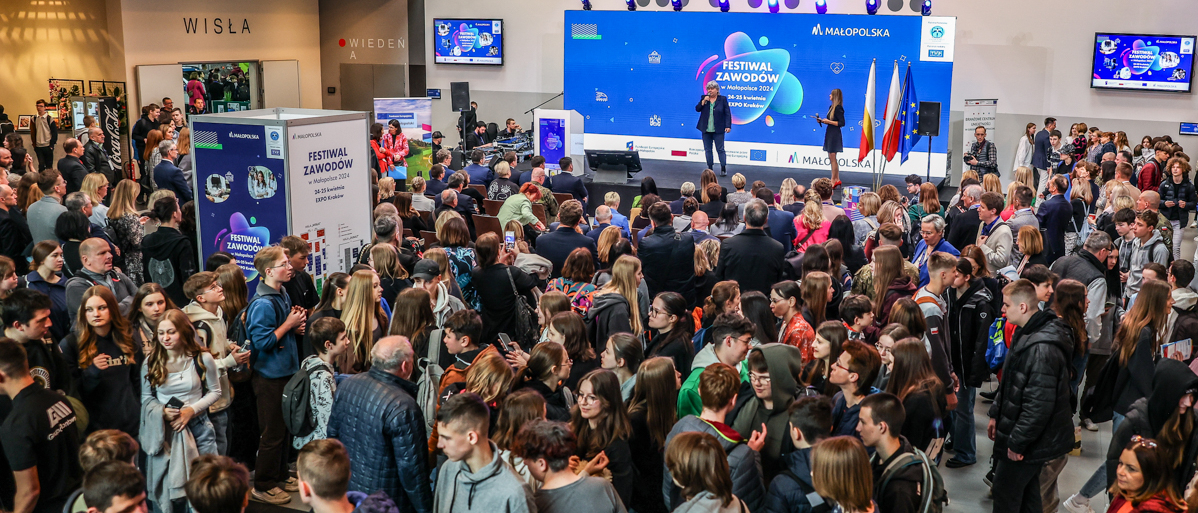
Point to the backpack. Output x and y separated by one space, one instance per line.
996 347
1083 232
933 497
204 332
297 403
697 340
430 380
239 334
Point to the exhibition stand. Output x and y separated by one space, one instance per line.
264 174
415 117
559 134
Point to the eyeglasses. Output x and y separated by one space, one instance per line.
776 300
882 349
653 310
587 398
755 379
745 339
837 364
1143 442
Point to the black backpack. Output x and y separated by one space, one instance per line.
297 403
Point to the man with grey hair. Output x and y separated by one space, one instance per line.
14 231
95 159
932 230
963 230
71 165
1088 266
715 120
602 221
167 175
751 257
376 416
688 191
5 159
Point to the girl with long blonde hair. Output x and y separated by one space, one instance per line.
606 313
991 183
95 185
787 193
816 294
811 227
177 368
887 267
365 321
1010 209
125 221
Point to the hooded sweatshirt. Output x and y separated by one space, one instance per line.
1143 253
218 346
112 395
494 488
169 260
609 314
785 363
1170 381
446 304
1183 318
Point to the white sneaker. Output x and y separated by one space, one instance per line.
1089 425
1077 504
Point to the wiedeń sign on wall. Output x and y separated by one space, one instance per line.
216 25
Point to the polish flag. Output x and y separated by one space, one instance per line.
892 134
867 122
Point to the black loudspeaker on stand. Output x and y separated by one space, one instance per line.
459 93
929 126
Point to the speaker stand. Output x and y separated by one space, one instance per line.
928 175
617 174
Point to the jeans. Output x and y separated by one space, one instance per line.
1018 484
1079 368
201 429
964 436
1096 484
718 139
1115 421
220 424
270 470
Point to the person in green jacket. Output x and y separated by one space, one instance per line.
519 207
929 203
731 334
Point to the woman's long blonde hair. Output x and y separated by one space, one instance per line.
184 141
787 192
124 199
991 183
1011 191
837 101
607 239
360 313
1024 175
623 282
813 210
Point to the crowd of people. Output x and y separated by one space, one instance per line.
725 351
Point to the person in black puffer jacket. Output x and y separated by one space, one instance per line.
1177 199
376 416
1031 419
668 256
166 254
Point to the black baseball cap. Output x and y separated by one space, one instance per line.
437 135
426 269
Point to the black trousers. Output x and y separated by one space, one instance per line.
1018 485
718 139
270 469
45 157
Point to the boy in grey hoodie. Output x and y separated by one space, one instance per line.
205 314
475 478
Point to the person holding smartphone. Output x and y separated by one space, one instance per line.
715 120
833 142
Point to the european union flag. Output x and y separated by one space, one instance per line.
757 155
909 117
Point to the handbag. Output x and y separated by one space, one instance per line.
527 331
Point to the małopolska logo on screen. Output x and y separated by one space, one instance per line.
819 30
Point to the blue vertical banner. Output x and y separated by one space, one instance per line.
241 201
553 141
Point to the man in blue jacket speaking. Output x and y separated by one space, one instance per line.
715 120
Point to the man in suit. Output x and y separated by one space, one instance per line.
667 257
781 224
43 132
963 230
1054 216
14 231
752 258
557 245
71 166
566 183
715 120
602 221
538 162
478 172
95 159
167 175
1041 151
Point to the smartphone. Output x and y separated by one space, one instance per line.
509 240
505 341
175 403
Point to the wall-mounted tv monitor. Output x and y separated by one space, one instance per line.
468 41
1145 62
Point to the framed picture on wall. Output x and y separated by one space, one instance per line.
23 122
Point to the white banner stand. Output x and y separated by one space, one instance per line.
559 133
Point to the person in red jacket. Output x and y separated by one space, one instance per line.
1143 482
1153 172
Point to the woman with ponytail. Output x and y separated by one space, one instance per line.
548 365
617 305
168 257
671 327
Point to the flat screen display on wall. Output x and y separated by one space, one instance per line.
1143 62
465 41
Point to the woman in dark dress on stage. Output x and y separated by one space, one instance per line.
833 143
